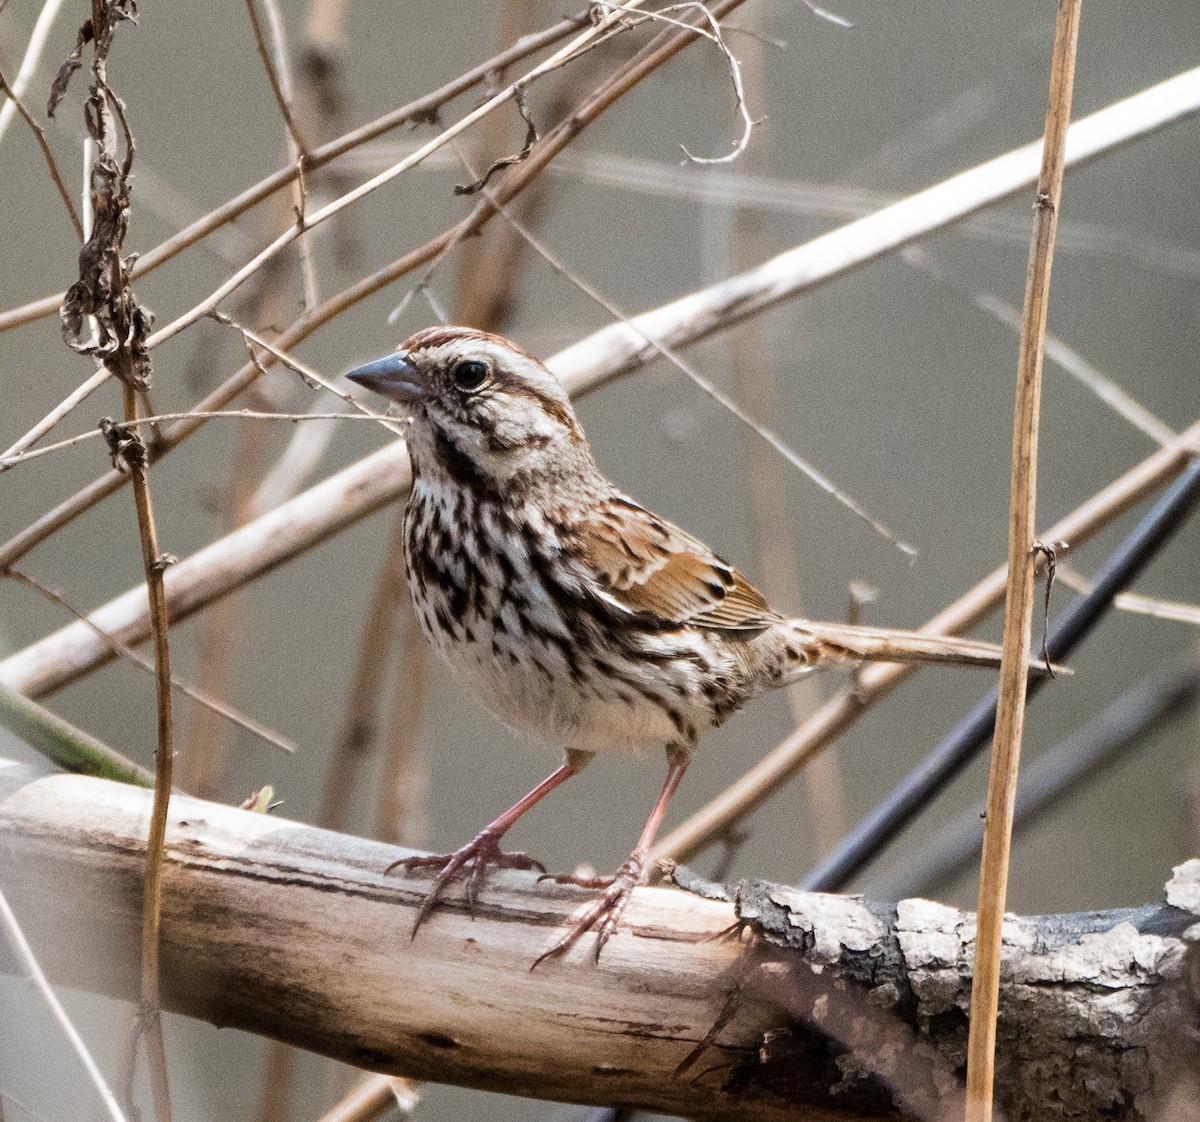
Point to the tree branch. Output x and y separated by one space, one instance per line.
843 1009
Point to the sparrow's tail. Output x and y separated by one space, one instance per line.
820 644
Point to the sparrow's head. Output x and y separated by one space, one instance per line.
483 410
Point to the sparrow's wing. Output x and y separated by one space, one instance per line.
646 564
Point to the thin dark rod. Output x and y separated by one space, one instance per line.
1056 773
913 793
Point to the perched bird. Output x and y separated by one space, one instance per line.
573 612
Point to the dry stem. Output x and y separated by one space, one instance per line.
489 268
276 81
29 63
25 957
154 563
124 650
277 1091
750 353
365 694
40 135
373 1098
1018 607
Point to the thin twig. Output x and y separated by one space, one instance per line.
715 36
207 742
40 135
25 956
424 108
1113 395
1018 607
389 423
276 80
154 564
826 14
299 459
1119 400
13 453
777 195
1162 104
228 712
375 1097
756 379
311 376
298 152
1134 602
29 64
102 317
531 137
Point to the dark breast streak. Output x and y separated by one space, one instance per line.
527 611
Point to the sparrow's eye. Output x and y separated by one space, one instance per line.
470 374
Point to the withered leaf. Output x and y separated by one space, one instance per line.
103 291
58 88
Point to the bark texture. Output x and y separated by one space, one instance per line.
809 1006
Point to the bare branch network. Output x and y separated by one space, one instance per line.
826 1004
624 347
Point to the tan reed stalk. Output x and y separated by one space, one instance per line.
1018 606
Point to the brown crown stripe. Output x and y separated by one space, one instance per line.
438 336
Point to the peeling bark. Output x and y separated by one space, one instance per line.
810 1006
1097 1013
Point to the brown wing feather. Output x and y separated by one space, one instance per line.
647 564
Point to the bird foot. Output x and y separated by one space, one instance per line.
604 913
479 854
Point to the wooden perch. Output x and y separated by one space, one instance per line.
825 1007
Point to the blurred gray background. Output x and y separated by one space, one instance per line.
891 381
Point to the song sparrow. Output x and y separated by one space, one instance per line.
575 613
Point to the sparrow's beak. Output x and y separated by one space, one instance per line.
394 377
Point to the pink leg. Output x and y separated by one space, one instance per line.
484 850
605 912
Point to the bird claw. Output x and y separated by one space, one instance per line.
602 914
480 853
